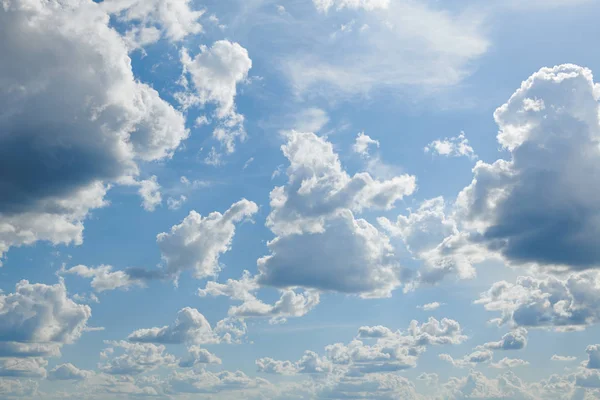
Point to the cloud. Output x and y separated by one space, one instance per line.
546 302
65 372
593 352
326 5
556 357
148 21
391 351
198 241
362 143
457 146
407 43
509 363
38 319
84 84
197 355
532 209
18 388
470 360
515 340
33 367
215 73
314 214
430 306
104 278
125 358
209 382
190 327
150 192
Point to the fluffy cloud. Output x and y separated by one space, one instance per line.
550 302
150 192
198 241
539 207
65 372
208 382
84 84
515 340
509 363
148 21
215 73
37 319
314 214
470 360
391 351
325 5
197 355
457 146
478 386
430 306
18 388
34 367
124 358
362 143
190 326
104 278
290 304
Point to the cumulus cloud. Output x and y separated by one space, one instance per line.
88 86
104 278
470 360
457 146
556 357
362 143
539 207
314 214
32 367
190 326
37 320
290 304
150 193
515 340
546 302
509 363
210 383
198 241
215 73
430 306
66 372
391 351
148 21
325 5
197 355
125 358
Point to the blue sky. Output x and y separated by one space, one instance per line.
301 199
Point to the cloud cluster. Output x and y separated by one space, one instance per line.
456 146
314 213
198 241
84 84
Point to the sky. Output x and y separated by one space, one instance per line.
299 199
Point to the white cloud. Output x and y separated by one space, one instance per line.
546 302
197 355
124 358
326 5
32 367
430 306
362 143
215 74
509 363
150 192
532 209
190 327
104 278
87 85
175 204
148 20
457 146
515 340
197 243
38 319
556 357
310 120
210 383
407 43
470 360
65 372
